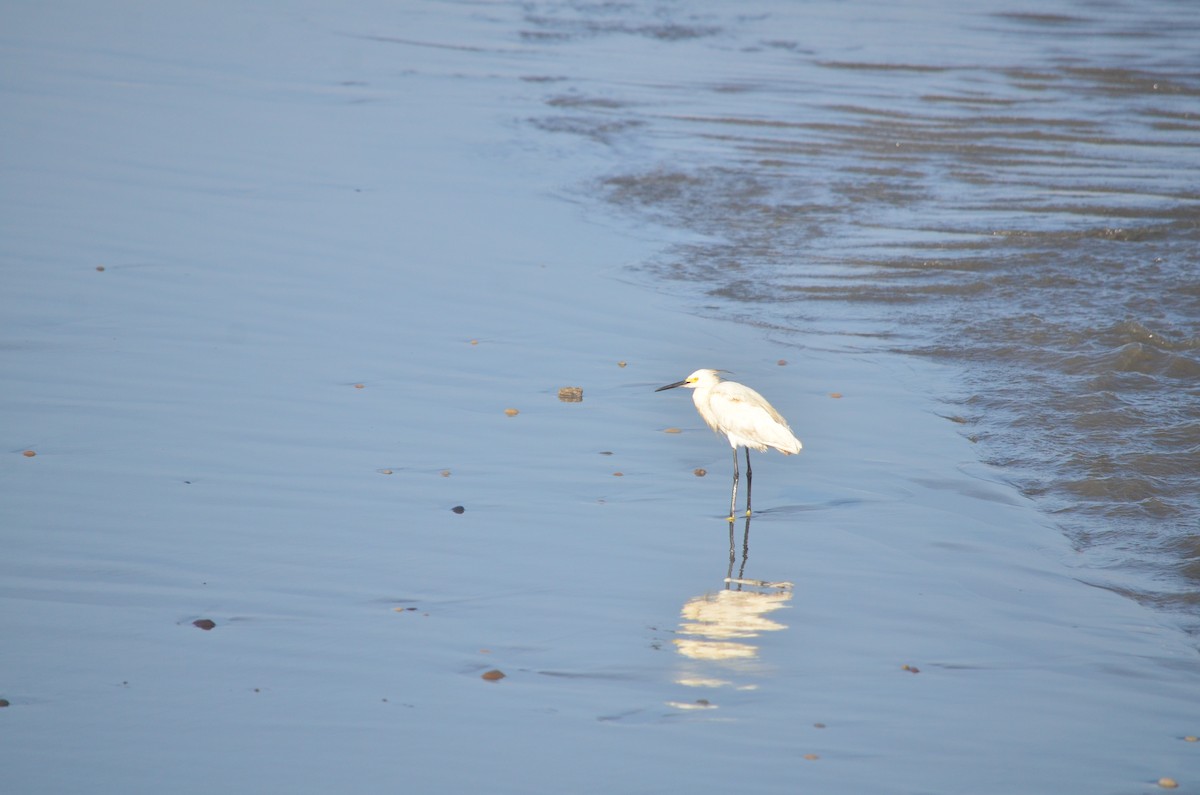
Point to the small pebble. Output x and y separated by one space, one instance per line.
494 675
29 454
100 268
618 474
621 364
912 669
835 394
699 472
458 509
359 386
672 430
811 757
474 342
3 702
1168 783
511 412
1191 739
204 623
445 473
571 394
385 471
782 362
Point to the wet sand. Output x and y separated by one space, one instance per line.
329 268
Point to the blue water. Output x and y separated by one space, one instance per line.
1007 192
274 273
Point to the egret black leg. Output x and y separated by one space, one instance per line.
749 478
733 496
745 548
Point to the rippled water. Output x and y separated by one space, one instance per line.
291 290
1012 193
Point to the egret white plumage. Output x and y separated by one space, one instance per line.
744 416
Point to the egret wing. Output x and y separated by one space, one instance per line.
748 419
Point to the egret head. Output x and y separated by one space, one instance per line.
699 378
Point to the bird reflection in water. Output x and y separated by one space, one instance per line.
717 632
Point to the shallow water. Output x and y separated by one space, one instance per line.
336 244
1012 193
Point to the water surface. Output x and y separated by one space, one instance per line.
1009 192
275 272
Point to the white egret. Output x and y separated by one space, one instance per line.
744 416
